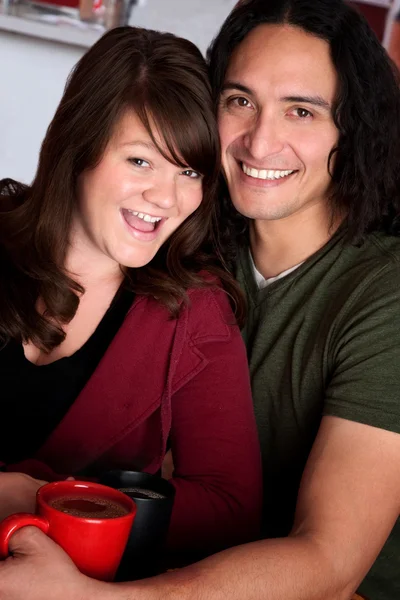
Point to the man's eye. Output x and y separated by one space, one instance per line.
139 162
239 101
303 113
191 174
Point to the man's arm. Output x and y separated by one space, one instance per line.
348 503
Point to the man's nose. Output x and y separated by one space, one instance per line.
264 138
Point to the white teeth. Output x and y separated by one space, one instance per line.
145 217
264 174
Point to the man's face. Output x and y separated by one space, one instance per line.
276 125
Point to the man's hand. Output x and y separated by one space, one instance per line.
39 569
17 493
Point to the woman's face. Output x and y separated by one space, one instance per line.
134 199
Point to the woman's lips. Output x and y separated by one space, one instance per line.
140 229
137 222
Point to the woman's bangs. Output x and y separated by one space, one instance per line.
187 139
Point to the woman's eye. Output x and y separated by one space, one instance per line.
191 174
139 162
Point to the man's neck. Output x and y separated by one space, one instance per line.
279 245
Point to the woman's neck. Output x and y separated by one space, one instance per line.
90 268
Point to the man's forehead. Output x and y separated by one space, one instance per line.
285 57
267 41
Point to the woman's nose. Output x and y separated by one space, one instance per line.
162 194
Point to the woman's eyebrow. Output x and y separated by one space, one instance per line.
148 145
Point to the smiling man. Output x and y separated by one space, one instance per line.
276 123
309 113
277 133
309 117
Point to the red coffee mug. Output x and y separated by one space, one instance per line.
95 545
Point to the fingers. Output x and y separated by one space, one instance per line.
41 482
29 541
28 478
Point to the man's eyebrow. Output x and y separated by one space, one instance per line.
314 100
234 85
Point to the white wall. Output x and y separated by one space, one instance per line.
197 20
32 77
33 73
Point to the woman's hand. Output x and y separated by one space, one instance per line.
17 493
39 569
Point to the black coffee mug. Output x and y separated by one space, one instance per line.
154 498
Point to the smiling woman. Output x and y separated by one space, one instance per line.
117 337
143 194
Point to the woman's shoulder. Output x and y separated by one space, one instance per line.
205 315
210 315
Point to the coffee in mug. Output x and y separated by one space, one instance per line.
136 492
94 507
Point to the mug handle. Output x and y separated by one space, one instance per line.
13 523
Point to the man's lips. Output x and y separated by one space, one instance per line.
264 178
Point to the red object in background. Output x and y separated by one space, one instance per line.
69 3
394 45
95 545
375 15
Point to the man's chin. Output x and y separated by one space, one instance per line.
247 207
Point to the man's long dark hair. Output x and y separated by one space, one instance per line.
366 169
164 80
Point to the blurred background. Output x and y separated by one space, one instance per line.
40 42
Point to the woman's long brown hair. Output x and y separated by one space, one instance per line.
164 80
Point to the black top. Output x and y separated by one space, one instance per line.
34 399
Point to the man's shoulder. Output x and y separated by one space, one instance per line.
340 268
377 257
384 246
355 263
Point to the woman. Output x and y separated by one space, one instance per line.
118 340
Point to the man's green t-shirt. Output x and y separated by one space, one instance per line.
325 340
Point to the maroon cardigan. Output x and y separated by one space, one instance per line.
185 379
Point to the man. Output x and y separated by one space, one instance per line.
309 114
